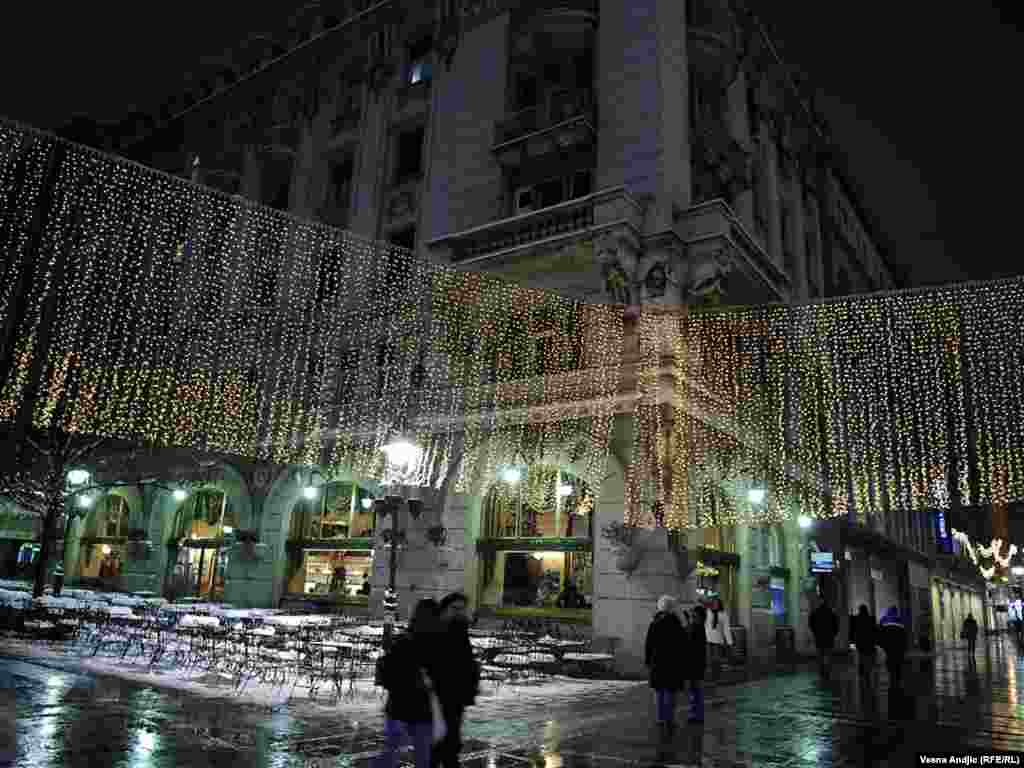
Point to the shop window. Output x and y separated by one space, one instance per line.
206 514
335 574
409 160
546 580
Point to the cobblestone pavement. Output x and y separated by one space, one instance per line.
58 717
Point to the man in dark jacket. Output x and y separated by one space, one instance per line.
970 634
665 652
893 639
458 677
696 662
864 635
407 673
824 627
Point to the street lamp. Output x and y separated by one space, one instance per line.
78 477
309 492
179 494
85 501
755 495
511 476
803 521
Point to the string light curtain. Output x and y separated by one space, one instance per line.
864 406
162 311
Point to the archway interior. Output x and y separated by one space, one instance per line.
536 541
203 521
101 554
330 538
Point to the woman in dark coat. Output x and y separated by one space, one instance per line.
664 654
406 673
696 662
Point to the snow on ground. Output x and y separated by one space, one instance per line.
503 713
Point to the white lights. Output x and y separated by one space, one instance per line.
366 503
511 475
309 492
804 522
228 530
84 501
401 453
565 490
78 477
755 495
179 494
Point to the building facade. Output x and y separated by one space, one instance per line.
627 151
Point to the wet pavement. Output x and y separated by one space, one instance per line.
54 716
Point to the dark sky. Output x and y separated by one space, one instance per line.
921 95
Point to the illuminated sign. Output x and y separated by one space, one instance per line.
822 562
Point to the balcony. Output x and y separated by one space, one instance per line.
565 119
723 256
502 240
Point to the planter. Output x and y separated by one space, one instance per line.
138 549
250 551
627 559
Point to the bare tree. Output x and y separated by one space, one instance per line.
36 481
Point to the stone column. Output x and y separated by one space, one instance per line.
799 279
745 584
738 120
773 192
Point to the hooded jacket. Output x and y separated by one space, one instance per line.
892 634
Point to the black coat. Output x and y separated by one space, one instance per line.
696 651
458 674
864 633
824 626
665 652
400 673
893 639
970 628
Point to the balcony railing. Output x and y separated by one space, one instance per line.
557 108
584 215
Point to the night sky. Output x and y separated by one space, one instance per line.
921 95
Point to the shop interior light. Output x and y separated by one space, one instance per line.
803 521
367 503
755 495
106 549
179 495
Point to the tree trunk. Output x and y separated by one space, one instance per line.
54 508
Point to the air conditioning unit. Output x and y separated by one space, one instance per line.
523 200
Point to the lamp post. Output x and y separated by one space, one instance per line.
401 458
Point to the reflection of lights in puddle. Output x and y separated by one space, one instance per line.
492 759
552 759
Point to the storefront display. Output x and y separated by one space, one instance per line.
338 573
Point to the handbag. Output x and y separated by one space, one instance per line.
440 729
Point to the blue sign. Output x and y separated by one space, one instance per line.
943 540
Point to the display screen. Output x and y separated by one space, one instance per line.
822 562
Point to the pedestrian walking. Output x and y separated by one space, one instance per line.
824 626
458 676
696 663
664 654
864 636
893 639
718 635
407 674
970 634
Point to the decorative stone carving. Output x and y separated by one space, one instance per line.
706 276
656 281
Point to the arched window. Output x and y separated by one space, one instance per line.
339 511
541 501
206 514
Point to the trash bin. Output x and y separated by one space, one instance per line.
785 644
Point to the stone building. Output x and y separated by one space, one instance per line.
627 151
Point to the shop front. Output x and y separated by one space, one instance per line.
330 547
536 546
204 528
102 546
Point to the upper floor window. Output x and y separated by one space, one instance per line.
206 514
543 194
112 516
409 159
419 69
537 501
